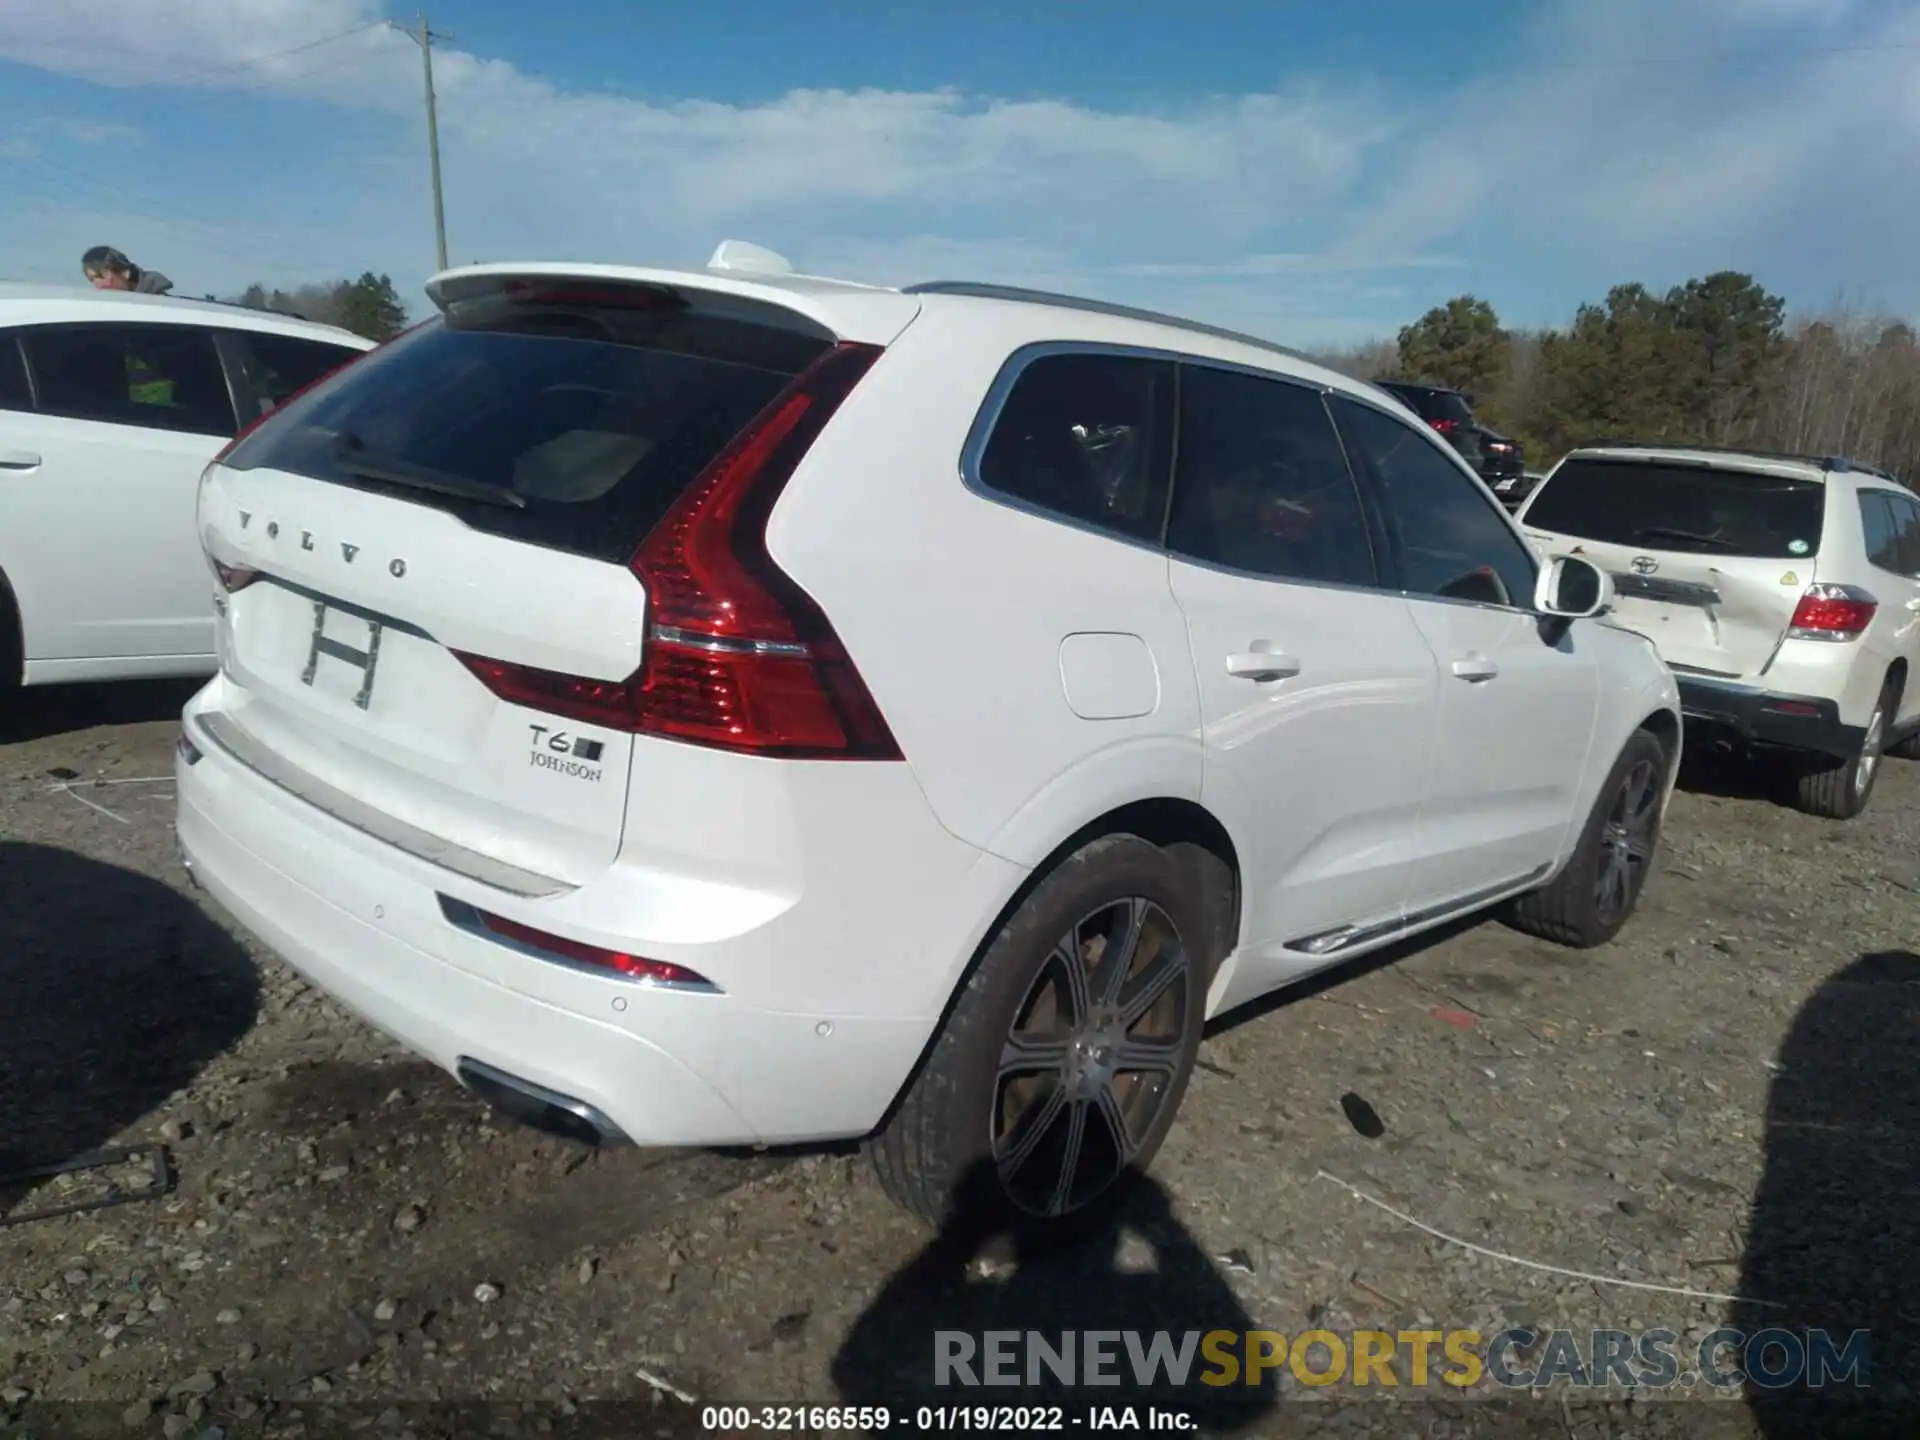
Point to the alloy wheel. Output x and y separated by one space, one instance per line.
1626 842
1091 1058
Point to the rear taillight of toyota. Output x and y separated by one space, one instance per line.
738 657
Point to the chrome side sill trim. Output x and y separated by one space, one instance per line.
498 875
1348 937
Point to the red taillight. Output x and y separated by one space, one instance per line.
1445 427
634 967
738 657
1832 612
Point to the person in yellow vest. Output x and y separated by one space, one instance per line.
109 269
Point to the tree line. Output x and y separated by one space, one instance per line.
1712 361
369 306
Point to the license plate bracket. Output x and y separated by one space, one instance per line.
365 661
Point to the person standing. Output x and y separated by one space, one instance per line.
109 269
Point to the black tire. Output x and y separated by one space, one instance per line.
1621 838
1905 748
1840 791
941 1155
12 656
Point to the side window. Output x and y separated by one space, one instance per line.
284 364
1906 514
1261 483
15 393
164 377
1451 541
1880 528
1087 437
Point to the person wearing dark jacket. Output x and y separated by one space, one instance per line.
108 269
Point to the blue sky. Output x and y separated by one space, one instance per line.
1318 173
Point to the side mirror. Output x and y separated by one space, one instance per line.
1572 588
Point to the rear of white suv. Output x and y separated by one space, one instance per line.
1778 588
433 636
730 707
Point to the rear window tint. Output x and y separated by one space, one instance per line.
1689 509
596 416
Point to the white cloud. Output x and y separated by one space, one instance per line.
1676 128
1333 203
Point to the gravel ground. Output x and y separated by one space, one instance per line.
1720 1102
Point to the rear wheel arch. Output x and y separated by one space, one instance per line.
928 1150
13 638
1664 725
1183 827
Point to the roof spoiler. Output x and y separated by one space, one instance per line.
1829 463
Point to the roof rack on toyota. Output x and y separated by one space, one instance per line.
1101 307
1829 463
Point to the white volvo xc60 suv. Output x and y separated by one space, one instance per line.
727 706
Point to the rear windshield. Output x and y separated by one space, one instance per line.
1435 404
1691 509
569 425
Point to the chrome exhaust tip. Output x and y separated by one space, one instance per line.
539 1108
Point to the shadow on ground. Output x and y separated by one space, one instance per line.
1735 775
114 991
889 1356
1834 1241
41 711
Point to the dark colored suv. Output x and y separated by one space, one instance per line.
1500 459
1447 411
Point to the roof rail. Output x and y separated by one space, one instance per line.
1829 463
1102 307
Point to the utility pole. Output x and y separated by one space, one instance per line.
424 37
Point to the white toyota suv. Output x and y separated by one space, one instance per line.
1782 589
724 707
111 404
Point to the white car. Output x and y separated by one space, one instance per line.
111 404
723 706
1783 590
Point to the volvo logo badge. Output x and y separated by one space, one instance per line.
349 552
1645 564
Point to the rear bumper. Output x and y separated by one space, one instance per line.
1762 717
365 922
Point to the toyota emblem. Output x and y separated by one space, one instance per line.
1645 564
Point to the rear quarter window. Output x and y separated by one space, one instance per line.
1686 509
1087 437
595 415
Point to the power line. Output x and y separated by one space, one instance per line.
211 233
259 60
276 82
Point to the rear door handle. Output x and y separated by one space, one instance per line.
19 460
1262 665
1475 667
